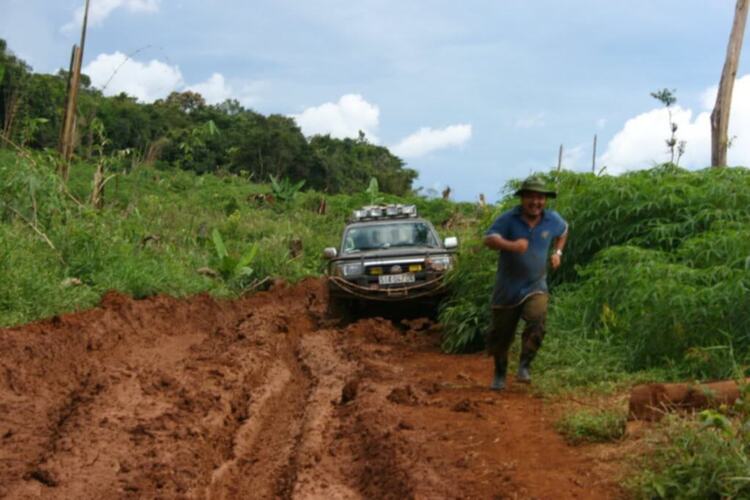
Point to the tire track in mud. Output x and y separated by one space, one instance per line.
261 397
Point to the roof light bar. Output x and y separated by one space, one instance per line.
377 212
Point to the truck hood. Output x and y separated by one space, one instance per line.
391 253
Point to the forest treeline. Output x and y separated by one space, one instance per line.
183 131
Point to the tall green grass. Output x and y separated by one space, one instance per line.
655 276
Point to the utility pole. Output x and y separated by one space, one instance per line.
720 113
68 131
593 157
559 158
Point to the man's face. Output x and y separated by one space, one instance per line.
532 204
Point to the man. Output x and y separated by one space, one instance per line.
523 236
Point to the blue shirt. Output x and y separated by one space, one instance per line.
520 275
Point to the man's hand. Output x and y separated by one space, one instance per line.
520 245
554 261
497 242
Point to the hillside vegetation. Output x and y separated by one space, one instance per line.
184 131
160 231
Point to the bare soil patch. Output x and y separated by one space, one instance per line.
264 397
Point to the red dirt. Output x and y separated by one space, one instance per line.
265 398
653 401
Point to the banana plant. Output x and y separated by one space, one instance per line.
230 267
373 191
285 190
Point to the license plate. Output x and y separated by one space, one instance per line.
394 279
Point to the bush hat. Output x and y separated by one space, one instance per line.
535 185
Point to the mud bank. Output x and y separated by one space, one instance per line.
265 397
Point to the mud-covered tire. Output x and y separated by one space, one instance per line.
339 308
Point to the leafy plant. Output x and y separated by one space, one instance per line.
667 98
284 190
707 456
230 267
30 128
373 192
195 143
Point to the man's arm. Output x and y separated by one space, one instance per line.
558 246
497 242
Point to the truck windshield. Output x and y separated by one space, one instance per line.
398 234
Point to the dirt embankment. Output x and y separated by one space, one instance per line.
264 397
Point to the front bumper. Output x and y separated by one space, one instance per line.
433 285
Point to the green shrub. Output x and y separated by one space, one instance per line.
696 459
655 277
656 208
592 426
658 311
724 244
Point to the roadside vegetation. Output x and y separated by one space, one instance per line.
160 231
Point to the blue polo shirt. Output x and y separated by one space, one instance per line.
521 275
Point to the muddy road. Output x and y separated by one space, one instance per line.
264 397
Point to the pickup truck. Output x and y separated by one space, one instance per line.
388 254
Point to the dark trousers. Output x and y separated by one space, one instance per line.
505 320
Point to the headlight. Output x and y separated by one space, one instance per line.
439 263
349 269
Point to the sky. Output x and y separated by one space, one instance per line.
470 94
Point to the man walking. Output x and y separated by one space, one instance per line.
523 236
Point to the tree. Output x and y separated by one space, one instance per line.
720 113
667 98
187 101
15 77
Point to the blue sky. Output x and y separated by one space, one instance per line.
470 93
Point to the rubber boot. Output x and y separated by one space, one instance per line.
524 371
498 381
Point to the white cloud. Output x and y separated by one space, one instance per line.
531 121
101 9
427 140
572 157
641 142
214 90
344 118
146 81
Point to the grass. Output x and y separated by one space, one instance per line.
692 460
592 426
155 233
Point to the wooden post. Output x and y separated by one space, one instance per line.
593 157
67 133
720 113
69 114
559 158
66 108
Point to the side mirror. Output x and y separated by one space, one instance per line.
450 242
330 253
